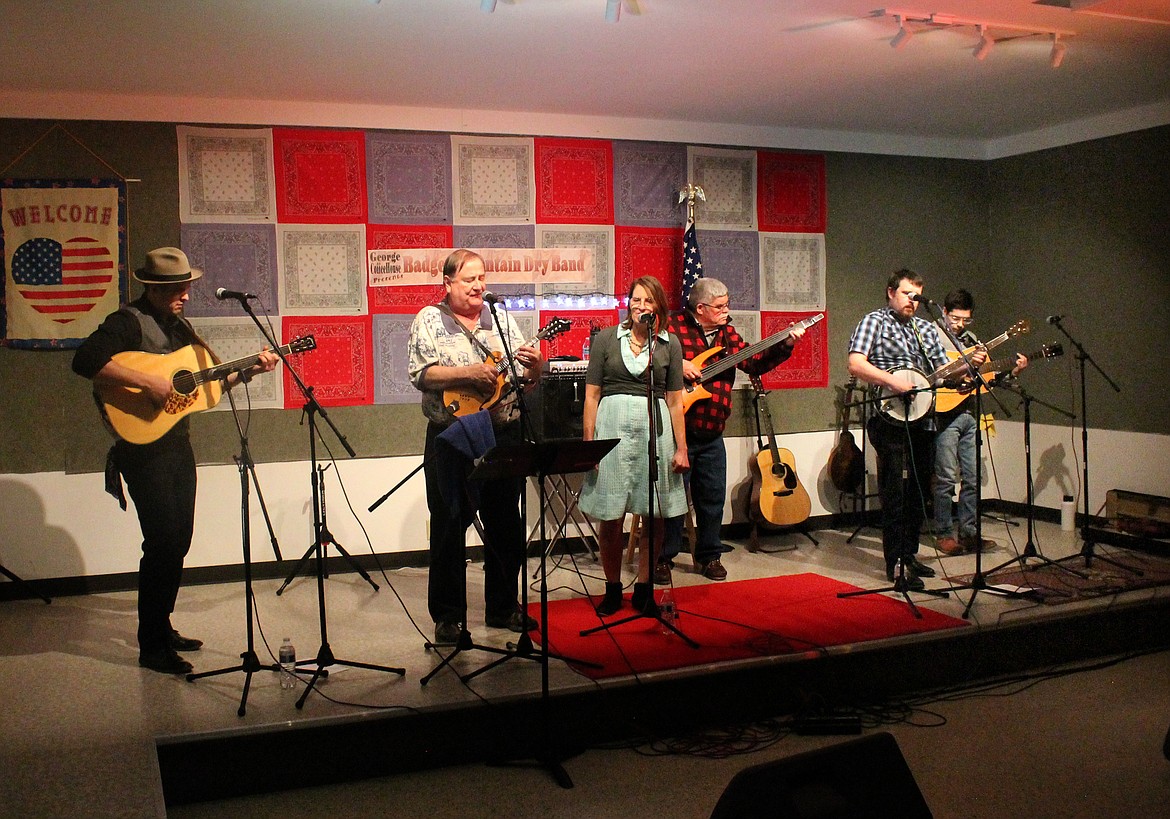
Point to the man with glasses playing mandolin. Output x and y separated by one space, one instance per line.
888 347
706 323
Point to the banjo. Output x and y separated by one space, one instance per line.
914 405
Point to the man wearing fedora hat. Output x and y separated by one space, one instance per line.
160 475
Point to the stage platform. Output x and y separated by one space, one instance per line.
80 712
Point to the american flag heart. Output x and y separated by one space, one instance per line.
63 281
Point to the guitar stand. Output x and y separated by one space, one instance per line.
15 578
327 540
754 539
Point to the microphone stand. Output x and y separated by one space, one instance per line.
1030 548
652 611
312 408
249 661
1086 531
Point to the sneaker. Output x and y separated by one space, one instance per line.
447 634
712 570
165 661
516 621
178 642
662 573
949 546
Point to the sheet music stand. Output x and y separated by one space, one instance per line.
522 460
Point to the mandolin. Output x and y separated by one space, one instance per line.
460 402
195 381
847 461
947 399
777 493
697 392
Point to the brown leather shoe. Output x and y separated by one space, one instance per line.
713 570
968 543
949 546
662 573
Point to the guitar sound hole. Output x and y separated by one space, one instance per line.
183 382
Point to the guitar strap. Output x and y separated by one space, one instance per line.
926 367
476 344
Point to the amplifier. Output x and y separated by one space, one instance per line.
557 406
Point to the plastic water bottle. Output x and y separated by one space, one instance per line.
667 610
288 664
585 348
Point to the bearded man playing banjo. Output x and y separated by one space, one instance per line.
892 349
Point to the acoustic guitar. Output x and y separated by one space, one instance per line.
195 386
697 392
460 401
912 406
777 493
847 461
947 399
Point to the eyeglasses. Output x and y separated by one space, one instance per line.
966 322
722 308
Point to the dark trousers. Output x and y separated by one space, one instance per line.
161 480
707 482
905 459
499 511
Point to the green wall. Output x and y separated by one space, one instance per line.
1078 230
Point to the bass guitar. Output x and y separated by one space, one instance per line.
195 386
777 493
697 392
913 406
947 399
460 401
847 461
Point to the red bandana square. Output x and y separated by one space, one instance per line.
809 364
791 193
574 181
341 369
320 176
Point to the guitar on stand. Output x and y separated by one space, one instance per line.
778 497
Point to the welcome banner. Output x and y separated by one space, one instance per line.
63 249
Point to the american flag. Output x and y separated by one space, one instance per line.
64 282
692 263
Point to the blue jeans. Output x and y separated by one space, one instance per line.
954 459
707 481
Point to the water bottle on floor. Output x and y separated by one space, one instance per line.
288 664
667 609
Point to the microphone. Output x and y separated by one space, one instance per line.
648 318
490 297
920 299
223 293
1054 319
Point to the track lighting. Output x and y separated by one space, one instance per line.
1057 51
986 41
613 10
487 5
903 36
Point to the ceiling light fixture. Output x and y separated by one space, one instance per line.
903 36
487 5
613 10
986 41
915 22
1058 49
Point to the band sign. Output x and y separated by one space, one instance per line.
524 265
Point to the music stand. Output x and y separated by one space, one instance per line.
518 461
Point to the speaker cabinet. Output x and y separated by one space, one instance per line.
861 777
557 406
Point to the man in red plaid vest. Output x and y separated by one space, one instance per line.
706 323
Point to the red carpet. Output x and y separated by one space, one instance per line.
733 621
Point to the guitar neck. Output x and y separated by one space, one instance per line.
733 360
952 368
227 367
504 364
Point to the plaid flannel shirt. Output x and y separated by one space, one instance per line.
707 419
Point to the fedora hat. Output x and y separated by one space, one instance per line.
166 265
